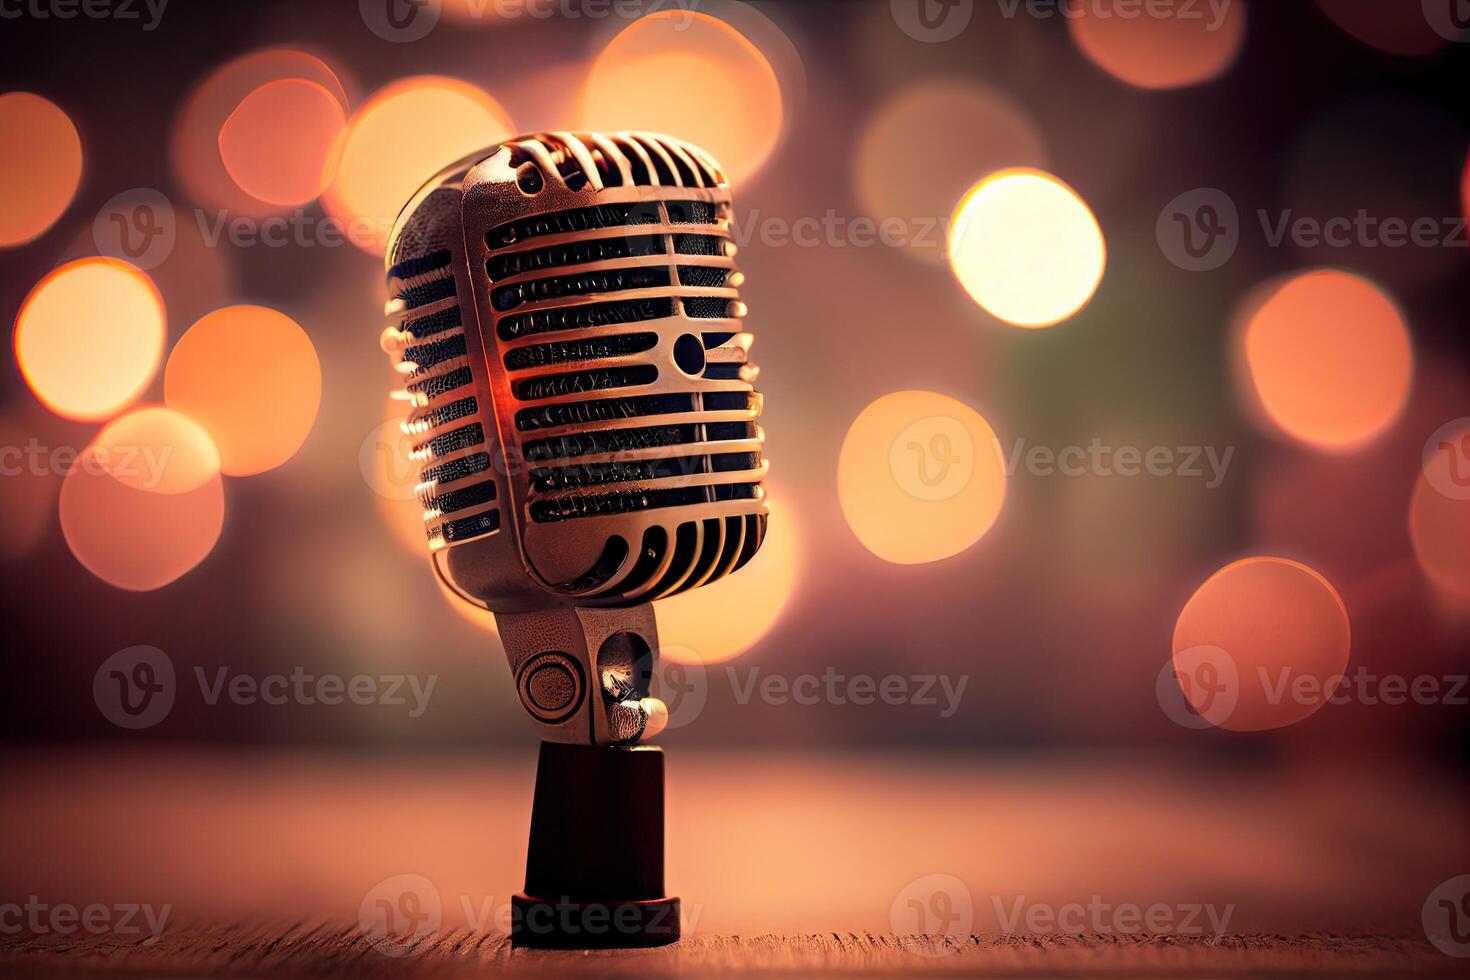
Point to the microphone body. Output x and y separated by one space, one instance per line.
564 312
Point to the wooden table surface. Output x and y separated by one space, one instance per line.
329 950
785 863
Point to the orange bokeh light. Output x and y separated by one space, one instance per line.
40 166
774 44
145 503
921 477
89 337
401 137
1439 515
1262 644
722 620
1027 248
692 76
1328 358
968 132
194 148
1170 49
279 144
250 376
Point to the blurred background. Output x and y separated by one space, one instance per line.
1181 299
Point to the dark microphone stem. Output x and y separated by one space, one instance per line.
595 865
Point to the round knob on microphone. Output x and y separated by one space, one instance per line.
550 686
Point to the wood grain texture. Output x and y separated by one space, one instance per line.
325 949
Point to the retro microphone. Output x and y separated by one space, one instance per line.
564 312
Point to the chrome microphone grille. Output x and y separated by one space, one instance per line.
456 492
566 312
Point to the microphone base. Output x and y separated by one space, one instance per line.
595 865
539 923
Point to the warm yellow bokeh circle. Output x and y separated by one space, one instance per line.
692 76
89 337
1027 248
921 477
400 138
